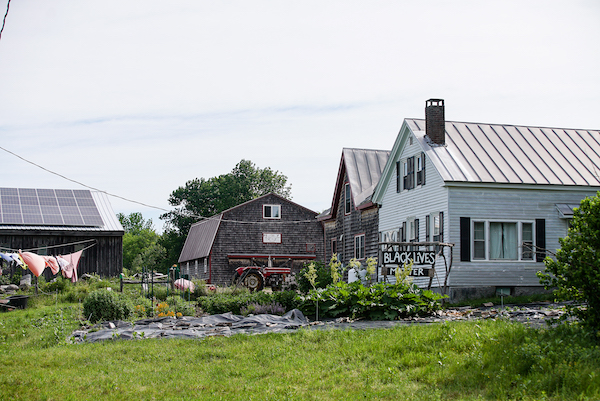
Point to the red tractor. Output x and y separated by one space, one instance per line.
255 277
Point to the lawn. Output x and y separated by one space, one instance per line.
449 361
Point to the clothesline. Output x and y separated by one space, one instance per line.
37 263
54 246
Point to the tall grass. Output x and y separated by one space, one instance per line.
462 360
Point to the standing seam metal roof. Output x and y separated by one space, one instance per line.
496 153
200 238
364 168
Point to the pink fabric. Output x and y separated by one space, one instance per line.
52 263
35 262
69 269
183 284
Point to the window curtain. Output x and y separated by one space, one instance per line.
503 241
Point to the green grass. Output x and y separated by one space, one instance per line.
463 361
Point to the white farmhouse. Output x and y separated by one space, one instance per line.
502 194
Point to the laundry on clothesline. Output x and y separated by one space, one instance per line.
37 263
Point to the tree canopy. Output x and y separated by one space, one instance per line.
202 197
575 273
140 243
207 197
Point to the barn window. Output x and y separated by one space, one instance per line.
347 199
359 246
272 211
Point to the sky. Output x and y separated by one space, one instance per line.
138 97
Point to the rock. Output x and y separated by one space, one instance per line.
488 304
12 287
25 282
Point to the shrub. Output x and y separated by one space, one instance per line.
103 305
179 305
322 280
234 303
378 302
274 308
574 275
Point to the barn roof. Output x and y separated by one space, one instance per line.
200 238
363 168
512 154
28 209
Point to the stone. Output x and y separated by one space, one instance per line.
25 282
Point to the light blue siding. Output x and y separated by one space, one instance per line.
506 204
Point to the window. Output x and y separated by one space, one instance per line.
205 265
436 227
527 241
333 246
359 246
408 170
347 199
502 240
271 211
196 267
479 240
271 238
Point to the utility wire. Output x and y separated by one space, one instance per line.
216 217
4 20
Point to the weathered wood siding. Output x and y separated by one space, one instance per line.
346 227
398 207
506 204
301 234
105 258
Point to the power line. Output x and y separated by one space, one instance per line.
4 20
216 217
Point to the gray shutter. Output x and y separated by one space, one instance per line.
540 240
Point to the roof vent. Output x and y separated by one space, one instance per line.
435 123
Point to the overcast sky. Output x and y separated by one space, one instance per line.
137 97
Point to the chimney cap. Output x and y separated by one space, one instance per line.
434 102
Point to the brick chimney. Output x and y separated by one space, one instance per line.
435 123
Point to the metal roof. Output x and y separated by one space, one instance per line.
109 219
364 168
511 154
200 238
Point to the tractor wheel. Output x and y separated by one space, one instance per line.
254 281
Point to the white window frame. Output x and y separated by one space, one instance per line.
487 239
270 215
205 265
347 199
358 247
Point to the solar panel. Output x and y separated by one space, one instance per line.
27 206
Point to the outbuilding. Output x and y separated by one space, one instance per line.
502 194
60 222
267 231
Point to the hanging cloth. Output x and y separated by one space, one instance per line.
18 260
69 264
36 263
52 263
6 257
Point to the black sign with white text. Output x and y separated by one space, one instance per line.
404 257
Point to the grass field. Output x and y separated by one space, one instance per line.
451 361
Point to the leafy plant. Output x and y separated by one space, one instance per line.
575 274
321 280
273 308
378 302
104 305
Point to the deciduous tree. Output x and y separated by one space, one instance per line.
575 272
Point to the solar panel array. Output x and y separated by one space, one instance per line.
48 207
